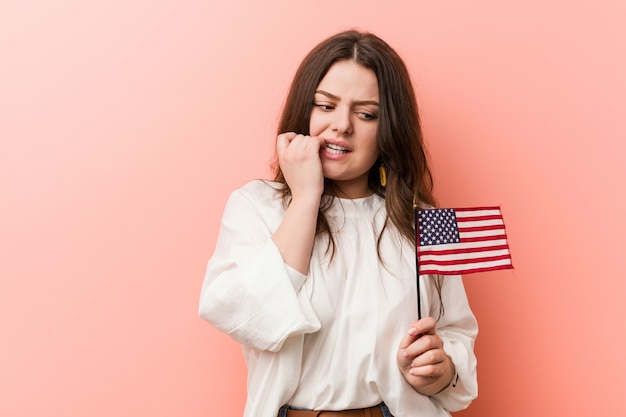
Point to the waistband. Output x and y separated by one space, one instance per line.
375 411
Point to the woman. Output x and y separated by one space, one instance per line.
314 272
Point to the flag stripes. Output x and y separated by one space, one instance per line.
481 246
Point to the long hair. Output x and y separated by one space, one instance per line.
399 134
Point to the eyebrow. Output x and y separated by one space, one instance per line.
334 97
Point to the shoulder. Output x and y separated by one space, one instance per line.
260 195
259 190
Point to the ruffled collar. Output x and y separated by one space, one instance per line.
356 207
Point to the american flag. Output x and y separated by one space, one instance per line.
462 241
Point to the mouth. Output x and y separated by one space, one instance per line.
334 149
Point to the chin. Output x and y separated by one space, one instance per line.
332 176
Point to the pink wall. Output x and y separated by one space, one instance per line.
124 126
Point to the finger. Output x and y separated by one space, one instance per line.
320 143
289 135
423 351
427 325
428 357
411 347
306 146
283 140
427 371
313 144
421 337
435 367
411 336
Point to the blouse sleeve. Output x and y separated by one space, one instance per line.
248 291
458 329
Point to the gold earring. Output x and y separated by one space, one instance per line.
383 175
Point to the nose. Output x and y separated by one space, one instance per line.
342 121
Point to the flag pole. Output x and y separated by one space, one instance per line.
417 263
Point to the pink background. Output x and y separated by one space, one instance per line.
124 125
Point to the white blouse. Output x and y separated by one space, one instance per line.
328 340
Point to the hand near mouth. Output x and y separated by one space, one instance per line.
300 163
299 160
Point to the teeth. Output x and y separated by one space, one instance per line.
335 149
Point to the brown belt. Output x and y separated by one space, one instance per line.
374 411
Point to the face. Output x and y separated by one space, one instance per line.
345 115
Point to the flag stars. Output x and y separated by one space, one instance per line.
438 226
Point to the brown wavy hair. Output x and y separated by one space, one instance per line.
399 133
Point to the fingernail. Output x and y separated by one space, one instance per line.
412 331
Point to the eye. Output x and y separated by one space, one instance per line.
366 115
324 107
